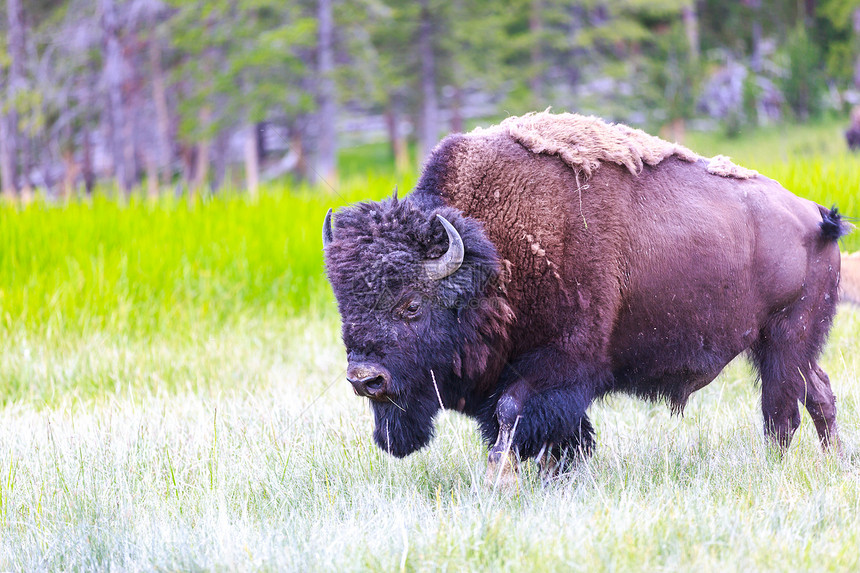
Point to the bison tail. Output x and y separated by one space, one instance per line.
832 226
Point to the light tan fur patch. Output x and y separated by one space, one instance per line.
583 142
723 166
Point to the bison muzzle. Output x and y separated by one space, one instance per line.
552 259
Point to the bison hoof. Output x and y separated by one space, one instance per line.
550 466
502 470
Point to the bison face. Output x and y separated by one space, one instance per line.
402 359
414 287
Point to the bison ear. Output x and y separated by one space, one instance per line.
327 234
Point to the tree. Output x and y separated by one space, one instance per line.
802 85
246 63
121 145
844 50
392 64
9 136
326 96
429 122
7 164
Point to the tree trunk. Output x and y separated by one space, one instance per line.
457 110
297 146
429 108
15 81
252 161
691 28
87 168
162 113
260 131
71 172
756 57
399 149
326 167
536 30
677 130
856 22
809 9
201 173
220 149
113 73
151 176
7 169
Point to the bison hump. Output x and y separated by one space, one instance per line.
584 142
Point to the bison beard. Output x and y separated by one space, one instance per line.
400 431
544 263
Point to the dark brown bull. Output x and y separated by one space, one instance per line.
548 261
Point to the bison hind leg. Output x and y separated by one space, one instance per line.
785 355
790 376
781 388
821 405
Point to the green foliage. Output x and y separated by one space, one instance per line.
28 103
245 61
802 84
469 48
841 40
674 75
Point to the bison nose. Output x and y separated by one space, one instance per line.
368 380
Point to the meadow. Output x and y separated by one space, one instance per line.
172 397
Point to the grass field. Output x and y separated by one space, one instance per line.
172 397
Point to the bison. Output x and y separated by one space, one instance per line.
552 259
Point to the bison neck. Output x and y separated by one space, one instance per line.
558 247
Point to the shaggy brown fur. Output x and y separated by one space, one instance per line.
849 280
584 142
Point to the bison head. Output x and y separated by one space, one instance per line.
424 313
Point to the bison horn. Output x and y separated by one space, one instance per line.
328 237
447 264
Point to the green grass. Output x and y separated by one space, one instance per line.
140 268
783 143
172 397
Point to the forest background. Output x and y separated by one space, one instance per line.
193 94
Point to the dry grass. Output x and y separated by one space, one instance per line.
263 460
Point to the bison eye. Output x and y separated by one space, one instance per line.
411 310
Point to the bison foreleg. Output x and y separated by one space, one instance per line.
502 464
543 417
